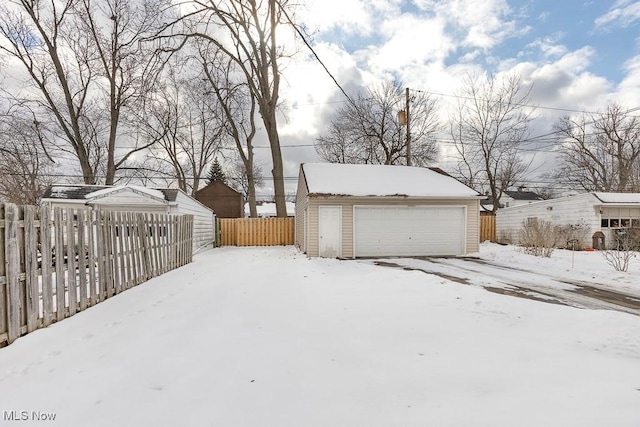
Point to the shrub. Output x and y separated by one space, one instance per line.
538 237
569 232
624 248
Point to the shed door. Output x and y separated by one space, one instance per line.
330 231
409 230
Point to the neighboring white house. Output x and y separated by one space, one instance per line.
133 198
351 211
595 216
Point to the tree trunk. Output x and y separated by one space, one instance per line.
278 171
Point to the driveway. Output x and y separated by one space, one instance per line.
520 282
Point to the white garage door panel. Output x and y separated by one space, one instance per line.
409 231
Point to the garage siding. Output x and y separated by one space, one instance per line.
472 230
302 202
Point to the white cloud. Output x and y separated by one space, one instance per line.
350 17
622 13
628 91
549 46
409 40
566 82
483 24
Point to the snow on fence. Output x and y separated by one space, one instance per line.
256 231
54 263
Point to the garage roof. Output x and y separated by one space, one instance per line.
381 180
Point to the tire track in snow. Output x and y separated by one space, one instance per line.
519 282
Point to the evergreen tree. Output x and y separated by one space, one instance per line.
216 173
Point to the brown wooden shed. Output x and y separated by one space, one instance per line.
224 200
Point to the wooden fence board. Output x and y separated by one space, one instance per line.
3 277
32 294
11 216
82 260
72 252
93 258
45 266
100 256
117 284
59 264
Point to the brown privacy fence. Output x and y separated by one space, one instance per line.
55 263
487 228
256 231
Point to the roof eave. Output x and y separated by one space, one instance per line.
396 196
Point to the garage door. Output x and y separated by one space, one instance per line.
409 231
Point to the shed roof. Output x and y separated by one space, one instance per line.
84 192
381 181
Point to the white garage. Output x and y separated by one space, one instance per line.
350 211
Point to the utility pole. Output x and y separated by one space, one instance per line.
408 120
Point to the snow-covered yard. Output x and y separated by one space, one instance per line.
267 337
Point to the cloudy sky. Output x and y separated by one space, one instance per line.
577 54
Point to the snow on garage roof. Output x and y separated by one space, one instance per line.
618 197
381 180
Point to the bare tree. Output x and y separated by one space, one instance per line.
239 180
600 152
488 127
368 131
239 110
25 167
246 32
186 126
86 66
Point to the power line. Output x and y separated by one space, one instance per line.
304 40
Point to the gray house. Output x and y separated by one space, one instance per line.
355 211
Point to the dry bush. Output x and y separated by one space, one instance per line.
505 236
626 245
569 232
538 237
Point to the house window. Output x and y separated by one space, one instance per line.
619 218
